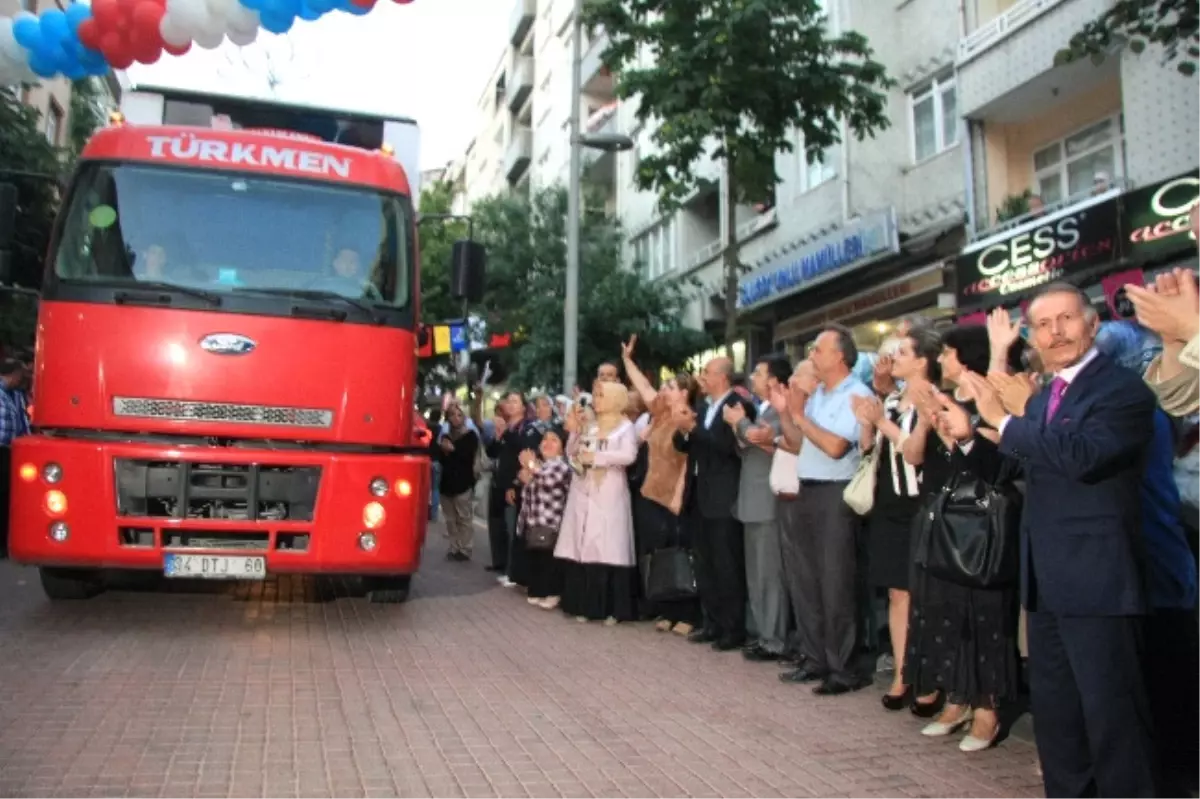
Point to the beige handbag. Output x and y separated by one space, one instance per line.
860 491
784 480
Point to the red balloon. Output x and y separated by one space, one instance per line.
148 54
145 21
363 3
107 13
89 34
173 50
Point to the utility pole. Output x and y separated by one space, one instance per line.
574 187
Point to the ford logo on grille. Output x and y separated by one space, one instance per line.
227 344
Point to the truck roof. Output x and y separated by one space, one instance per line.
189 95
261 152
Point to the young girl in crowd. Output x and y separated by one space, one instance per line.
544 499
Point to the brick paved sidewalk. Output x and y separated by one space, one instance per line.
279 690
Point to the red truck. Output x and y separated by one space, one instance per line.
225 363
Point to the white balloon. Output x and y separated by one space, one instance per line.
173 32
189 15
209 40
242 38
241 19
220 8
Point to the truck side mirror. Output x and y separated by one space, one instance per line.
469 261
422 335
8 228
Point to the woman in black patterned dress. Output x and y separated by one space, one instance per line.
962 642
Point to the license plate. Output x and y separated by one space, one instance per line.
215 567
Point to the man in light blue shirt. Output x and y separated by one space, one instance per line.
819 549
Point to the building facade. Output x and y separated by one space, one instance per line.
989 142
51 98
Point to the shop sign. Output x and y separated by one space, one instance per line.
1038 252
851 247
1156 218
922 282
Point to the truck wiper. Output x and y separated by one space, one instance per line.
131 292
315 294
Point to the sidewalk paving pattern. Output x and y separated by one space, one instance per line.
273 689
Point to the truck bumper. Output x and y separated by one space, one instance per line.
109 496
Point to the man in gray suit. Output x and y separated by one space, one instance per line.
755 509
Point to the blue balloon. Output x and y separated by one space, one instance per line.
323 6
276 22
308 13
77 14
28 32
41 67
358 11
91 58
253 5
55 27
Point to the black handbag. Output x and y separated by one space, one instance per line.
970 533
669 575
540 538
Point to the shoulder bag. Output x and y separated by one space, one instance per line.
970 533
540 538
859 493
784 479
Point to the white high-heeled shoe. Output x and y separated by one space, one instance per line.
972 744
940 729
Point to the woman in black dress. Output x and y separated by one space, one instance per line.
962 641
888 425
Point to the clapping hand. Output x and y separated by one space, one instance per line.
779 399
527 458
587 457
921 394
987 399
573 422
1171 307
760 435
1014 391
685 418
732 414
952 419
881 377
867 410
446 445
499 425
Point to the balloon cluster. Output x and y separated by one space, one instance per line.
87 40
54 44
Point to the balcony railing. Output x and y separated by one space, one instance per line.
521 21
996 30
1115 187
518 155
520 85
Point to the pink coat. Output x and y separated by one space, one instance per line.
597 526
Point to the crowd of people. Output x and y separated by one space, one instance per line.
971 474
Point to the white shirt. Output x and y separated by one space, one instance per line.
714 408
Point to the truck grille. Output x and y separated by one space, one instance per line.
227 491
180 410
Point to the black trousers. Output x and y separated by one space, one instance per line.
1171 661
1089 703
498 536
820 548
720 562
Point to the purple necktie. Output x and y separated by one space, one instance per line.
1058 387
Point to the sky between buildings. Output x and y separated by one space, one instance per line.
428 60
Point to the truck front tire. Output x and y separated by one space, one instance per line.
70 584
388 590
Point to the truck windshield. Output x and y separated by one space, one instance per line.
227 232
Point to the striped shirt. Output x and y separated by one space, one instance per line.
906 478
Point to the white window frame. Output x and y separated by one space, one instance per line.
803 171
655 249
935 89
1117 143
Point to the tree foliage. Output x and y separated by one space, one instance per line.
527 255
86 115
437 237
1173 25
733 80
31 163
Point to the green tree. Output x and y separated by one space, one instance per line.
86 116
732 79
30 162
437 236
527 255
1172 24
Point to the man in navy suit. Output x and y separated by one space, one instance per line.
1082 442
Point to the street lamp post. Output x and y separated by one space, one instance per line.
610 143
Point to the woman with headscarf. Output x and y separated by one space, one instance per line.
596 538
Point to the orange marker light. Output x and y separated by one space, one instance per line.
56 503
373 515
28 472
403 488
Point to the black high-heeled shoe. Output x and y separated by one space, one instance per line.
897 701
927 710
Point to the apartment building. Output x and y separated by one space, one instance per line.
51 98
522 140
864 236
1107 152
